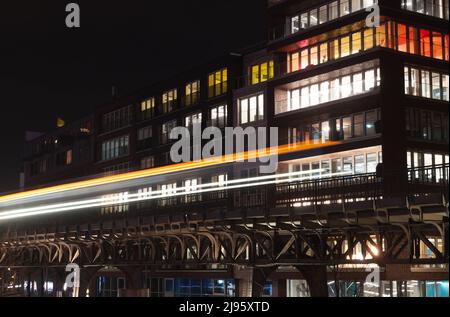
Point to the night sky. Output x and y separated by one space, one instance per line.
48 70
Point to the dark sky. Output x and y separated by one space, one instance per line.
48 70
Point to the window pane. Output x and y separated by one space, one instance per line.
345 46
357 83
356 42
371 118
333 10
437 45
344 7
436 85
425 43
358 125
323 53
368 39
402 40
425 76
323 14
347 127
313 17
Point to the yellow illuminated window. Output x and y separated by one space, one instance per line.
356 42
218 83
323 53
192 93
345 46
334 49
264 72
368 39
381 35
261 73
271 69
255 74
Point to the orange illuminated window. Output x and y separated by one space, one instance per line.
446 46
437 45
402 40
425 43
294 62
304 59
413 41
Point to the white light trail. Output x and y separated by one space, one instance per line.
181 191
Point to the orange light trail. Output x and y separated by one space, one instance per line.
180 167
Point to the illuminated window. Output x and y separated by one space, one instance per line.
356 5
313 18
304 58
346 86
147 108
368 39
345 46
333 7
323 14
425 84
169 100
166 128
413 40
218 83
192 93
320 91
334 49
434 8
262 72
344 7
436 85
356 42
294 62
295 24
445 87
218 116
380 36
323 53
194 119
425 43
446 47
314 55
358 83
402 40
437 45
251 109
324 92
304 21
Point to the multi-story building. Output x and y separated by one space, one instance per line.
370 101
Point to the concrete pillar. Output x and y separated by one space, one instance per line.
316 277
